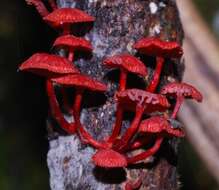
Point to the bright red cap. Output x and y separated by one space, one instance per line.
108 158
73 42
46 65
182 89
153 46
159 124
63 16
81 81
126 62
152 102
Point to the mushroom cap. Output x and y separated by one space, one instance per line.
71 41
64 16
159 124
81 81
153 46
47 65
183 89
152 102
126 62
108 158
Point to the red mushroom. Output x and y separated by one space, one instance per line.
181 91
81 82
143 102
64 17
161 49
40 7
159 126
73 43
49 66
126 63
108 158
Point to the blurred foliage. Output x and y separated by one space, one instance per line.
23 101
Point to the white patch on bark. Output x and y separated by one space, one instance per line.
153 7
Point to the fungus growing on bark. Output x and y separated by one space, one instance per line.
48 66
160 127
80 83
108 158
127 64
40 7
180 91
153 46
64 17
72 43
142 101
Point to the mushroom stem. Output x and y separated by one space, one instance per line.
119 112
85 136
52 4
123 79
179 102
159 65
66 29
138 143
55 109
117 125
65 100
40 7
71 54
123 142
147 153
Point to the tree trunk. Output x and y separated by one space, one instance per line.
119 24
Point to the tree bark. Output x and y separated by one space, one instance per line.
119 24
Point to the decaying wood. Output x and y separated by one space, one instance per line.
119 23
202 70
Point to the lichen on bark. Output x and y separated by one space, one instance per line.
119 24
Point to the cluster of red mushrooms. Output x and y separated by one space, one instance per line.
113 152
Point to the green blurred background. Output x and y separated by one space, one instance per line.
23 141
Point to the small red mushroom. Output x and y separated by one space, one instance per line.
72 43
126 63
143 102
81 82
48 66
180 91
40 7
64 17
108 158
153 46
159 126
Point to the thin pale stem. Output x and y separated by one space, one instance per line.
147 153
53 4
55 109
179 102
124 141
40 7
156 78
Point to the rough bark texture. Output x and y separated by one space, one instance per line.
119 23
